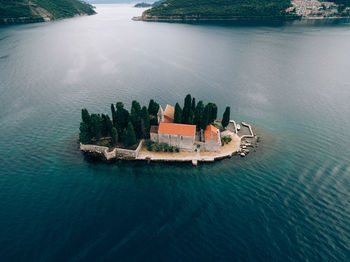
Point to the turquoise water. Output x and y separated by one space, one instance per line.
289 201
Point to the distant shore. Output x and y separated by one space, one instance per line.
242 20
203 19
29 20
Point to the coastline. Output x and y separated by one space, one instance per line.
201 19
30 20
242 20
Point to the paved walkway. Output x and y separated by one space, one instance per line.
194 157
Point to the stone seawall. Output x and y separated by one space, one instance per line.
116 153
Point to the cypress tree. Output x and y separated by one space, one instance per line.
210 107
85 116
114 115
145 122
205 117
96 125
84 134
226 117
129 136
104 127
122 118
193 106
114 135
198 114
187 109
191 118
213 113
109 125
135 117
178 114
153 108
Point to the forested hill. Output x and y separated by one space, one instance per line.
23 11
218 9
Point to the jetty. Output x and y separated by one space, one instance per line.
227 150
250 130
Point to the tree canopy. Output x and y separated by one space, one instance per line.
126 128
226 117
221 9
153 107
129 136
145 122
178 114
187 110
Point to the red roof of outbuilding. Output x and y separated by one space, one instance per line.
169 114
211 132
177 129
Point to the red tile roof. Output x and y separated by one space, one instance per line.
169 114
211 132
177 129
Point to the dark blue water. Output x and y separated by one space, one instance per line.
289 201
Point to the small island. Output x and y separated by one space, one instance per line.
211 11
189 133
143 5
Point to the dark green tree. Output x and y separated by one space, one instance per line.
85 116
104 128
97 124
205 117
193 106
198 114
109 125
145 122
187 109
153 108
135 117
226 118
178 114
122 118
114 115
129 136
213 113
114 135
84 134
191 118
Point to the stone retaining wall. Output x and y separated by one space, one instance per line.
116 153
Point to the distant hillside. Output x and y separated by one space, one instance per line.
25 11
144 5
218 10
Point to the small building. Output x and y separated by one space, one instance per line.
212 139
178 135
160 115
166 116
153 132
